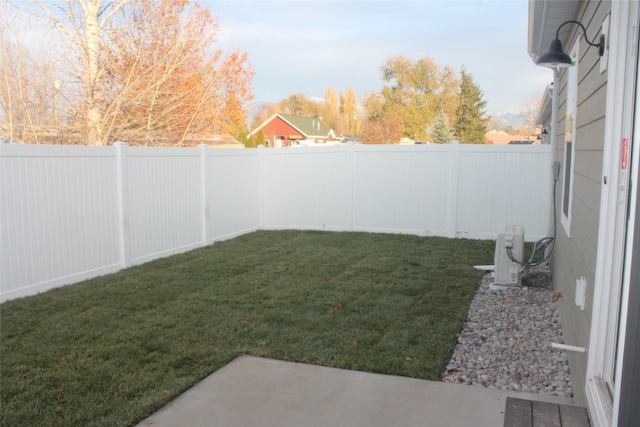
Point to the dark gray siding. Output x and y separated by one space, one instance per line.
575 254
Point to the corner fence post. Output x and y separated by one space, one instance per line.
452 207
261 198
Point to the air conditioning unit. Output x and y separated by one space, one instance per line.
507 272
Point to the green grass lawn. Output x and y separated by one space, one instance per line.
112 350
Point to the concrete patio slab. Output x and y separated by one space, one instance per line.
253 391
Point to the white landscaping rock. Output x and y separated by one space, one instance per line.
505 340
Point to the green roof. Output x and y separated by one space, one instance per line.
309 126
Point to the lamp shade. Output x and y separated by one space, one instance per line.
555 57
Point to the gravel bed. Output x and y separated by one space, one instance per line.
505 342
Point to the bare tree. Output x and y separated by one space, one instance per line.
529 113
146 71
165 83
27 80
82 22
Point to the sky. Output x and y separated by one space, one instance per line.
302 46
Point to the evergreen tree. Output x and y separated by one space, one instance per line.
442 133
245 140
260 139
471 122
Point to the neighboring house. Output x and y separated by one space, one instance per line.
284 130
543 120
593 125
499 137
224 141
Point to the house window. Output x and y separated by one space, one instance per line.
570 140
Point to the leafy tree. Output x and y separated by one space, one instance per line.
382 129
374 105
417 91
413 92
231 113
471 123
441 133
349 113
449 91
329 109
299 105
380 126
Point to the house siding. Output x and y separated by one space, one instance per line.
278 128
576 253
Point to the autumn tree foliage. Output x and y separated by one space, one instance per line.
147 71
338 111
448 94
331 113
299 105
384 130
416 91
470 124
163 82
380 126
410 93
350 120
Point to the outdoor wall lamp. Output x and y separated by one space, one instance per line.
556 58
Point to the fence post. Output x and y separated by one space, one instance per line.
452 206
123 205
350 159
261 152
204 203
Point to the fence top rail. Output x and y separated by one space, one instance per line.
486 148
45 150
37 150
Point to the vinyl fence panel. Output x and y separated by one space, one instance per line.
402 189
58 216
306 188
163 201
68 213
497 186
233 190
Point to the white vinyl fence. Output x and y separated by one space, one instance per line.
68 213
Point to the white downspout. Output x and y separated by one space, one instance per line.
554 113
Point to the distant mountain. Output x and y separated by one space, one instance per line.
509 118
